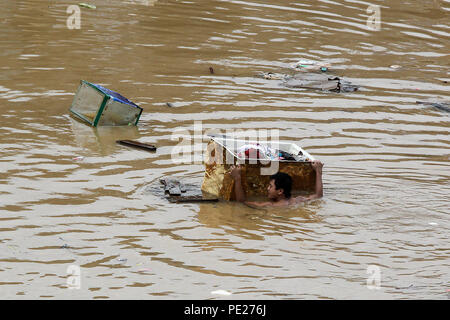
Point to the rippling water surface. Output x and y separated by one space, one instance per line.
69 195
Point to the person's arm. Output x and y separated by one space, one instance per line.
317 165
318 191
257 205
238 191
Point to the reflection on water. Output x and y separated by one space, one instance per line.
70 195
241 220
101 140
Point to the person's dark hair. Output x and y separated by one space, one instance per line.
283 181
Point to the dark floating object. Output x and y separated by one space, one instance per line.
137 144
211 70
321 82
171 186
170 105
192 199
444 106
176 191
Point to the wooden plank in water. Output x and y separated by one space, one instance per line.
137 144
198 198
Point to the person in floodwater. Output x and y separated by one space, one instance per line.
279 189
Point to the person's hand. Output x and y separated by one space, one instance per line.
317 165
235 171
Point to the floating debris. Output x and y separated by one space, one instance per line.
315 81
171 186
137 144
221 292
176 191
261 151
441 105
305 65
170 105
320 82
412 287
272 76
100 106
87 5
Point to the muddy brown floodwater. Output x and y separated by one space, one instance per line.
70 197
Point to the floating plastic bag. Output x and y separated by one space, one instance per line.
257 151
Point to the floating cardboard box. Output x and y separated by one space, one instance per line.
99 106
222 153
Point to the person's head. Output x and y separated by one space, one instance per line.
279 186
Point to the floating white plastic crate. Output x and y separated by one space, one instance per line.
103 107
